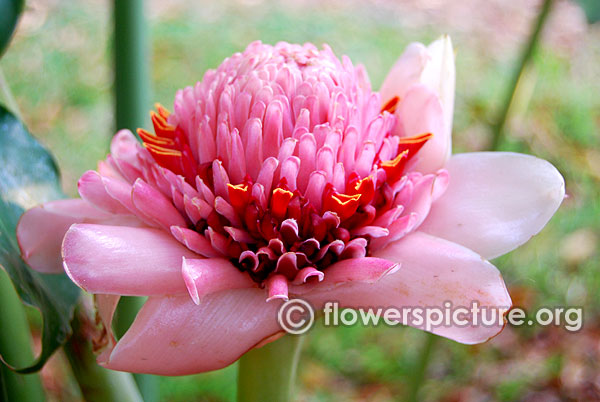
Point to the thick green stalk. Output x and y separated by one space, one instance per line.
421 367
525 59
8 97
132 78
269 373
15 347
132 88
96 383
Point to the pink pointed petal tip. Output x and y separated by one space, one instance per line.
124 260
195 242
305 274
205 276
277 287
154 205
366 270
91 188
495 201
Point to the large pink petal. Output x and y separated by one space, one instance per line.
41 230
173 336
421 112
432 271
495 201
124 260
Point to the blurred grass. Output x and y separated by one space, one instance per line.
59 68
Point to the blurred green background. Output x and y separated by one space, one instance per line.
60 69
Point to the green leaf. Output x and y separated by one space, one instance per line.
592 9
9 15
29 176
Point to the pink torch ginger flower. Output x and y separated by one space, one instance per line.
280 175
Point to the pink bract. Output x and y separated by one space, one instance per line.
282 174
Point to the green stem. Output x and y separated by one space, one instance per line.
96 383
132 87
525 59
421 367
15 347
269 373
132 78
8 96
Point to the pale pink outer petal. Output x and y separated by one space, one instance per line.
432 271
421 112
124 260
41 230
173 336
439 74
204 276
406 72
433 68
495 201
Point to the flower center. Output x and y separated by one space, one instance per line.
266 227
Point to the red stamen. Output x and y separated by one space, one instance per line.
239 196
279 202
365 187
391 105
343 205
413 144
167 158
161 127
395 167
162 110
150 138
